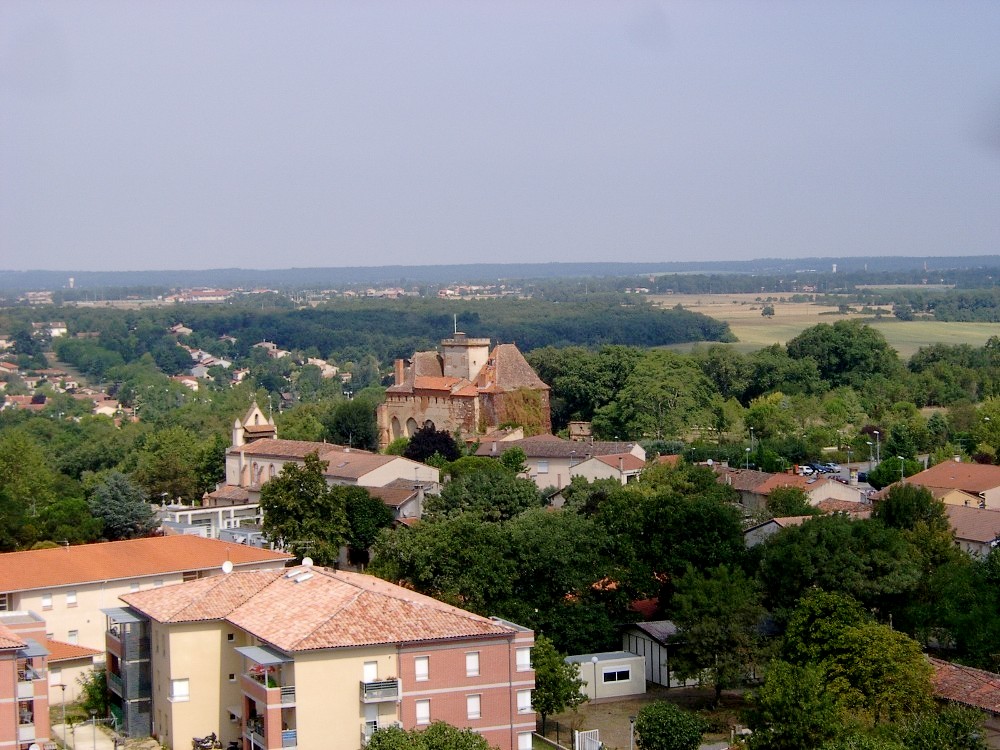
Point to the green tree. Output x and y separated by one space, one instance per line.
665 726
718 617
793 709
515 460
353 423
789 501
303 514
438 736
557 683
123 508
94 691
427 441
907 505
164 465
888 471
767 311
880 673
951 728
366 517
817 621
493 496
846 353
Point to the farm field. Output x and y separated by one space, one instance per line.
743 313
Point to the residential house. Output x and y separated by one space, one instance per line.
24 693
760 532
651 641
180 329
312 658
754 487
973 688
610 674
977 530
69 585
68 664
466 388
980 480
553 461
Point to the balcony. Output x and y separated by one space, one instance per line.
289 738
380 691
115 683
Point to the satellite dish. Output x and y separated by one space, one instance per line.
34 746
710 462
227 567
307 561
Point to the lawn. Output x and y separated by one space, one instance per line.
754 331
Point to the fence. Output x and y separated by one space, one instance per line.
564 736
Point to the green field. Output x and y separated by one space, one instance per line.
743 313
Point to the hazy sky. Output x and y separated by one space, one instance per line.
207 134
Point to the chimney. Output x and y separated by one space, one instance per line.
399 373
494 448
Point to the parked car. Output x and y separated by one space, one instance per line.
862 476
835 468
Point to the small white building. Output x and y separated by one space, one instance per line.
612 674
651 641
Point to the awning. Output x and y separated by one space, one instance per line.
34 648
122 614
264 655
236 711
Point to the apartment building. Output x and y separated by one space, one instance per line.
24 690
312 658
68 586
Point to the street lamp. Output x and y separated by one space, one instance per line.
62 686
631 732
93 727
871 455
593 660
901 461
748 458
878 445
751 438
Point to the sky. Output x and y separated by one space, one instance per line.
190 134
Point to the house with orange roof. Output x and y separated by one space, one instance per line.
312 658
466 388
977 530
68 664
979 480
973 688
68 585
754 486
553 461
24 690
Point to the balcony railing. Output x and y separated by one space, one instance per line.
289 738
255 737
288 694
379 691
115 683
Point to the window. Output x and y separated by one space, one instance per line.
46 601
543 467
232 677
73 637
230 637
189 575
523 659
617 674
423 712
370 671
55 677
524 741
133 587
524 701
473 706
179 690
70 598
4 603
472 664
421 668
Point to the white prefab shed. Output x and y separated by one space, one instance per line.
651 640
612 674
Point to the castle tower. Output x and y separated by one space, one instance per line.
464 357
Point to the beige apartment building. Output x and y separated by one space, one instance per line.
68 586
312 658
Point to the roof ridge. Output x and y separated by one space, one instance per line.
332 613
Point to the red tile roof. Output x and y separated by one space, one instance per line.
107 561
60 651
307 608
10 639
627 461
974 478
970 687
974 524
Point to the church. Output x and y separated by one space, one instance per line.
464 388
